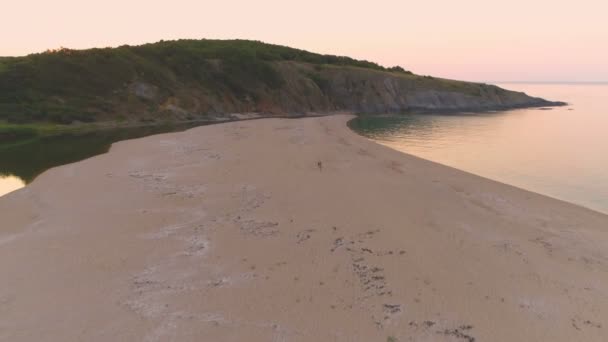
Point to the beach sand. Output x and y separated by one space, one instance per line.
292 230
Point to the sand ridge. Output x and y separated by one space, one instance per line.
292 230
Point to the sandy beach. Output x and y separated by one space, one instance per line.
292 230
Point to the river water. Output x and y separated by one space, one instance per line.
21 163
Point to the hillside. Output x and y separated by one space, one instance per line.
198 79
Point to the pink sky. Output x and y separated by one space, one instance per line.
482 40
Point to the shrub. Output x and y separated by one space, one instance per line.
398 68
320 81
11 134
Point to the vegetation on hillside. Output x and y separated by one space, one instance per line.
64 85
11 133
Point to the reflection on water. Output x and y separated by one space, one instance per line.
559 152
10 184
20 164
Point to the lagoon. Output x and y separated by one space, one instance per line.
21 163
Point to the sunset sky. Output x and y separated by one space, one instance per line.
480 40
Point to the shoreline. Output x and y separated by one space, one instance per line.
41 130
581 206
480 175
238 117
37 130
298 230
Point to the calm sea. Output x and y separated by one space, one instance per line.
562 152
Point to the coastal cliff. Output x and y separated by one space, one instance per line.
378 92
210 79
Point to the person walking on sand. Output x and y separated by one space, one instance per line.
320 165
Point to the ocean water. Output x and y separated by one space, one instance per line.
561 152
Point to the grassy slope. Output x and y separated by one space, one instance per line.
69 85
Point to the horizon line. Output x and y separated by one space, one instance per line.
550 82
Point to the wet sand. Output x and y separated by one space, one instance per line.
292 230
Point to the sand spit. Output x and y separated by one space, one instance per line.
292 230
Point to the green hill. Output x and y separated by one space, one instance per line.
197 79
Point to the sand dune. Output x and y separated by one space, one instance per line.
292 230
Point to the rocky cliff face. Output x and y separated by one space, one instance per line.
380 92
308 88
